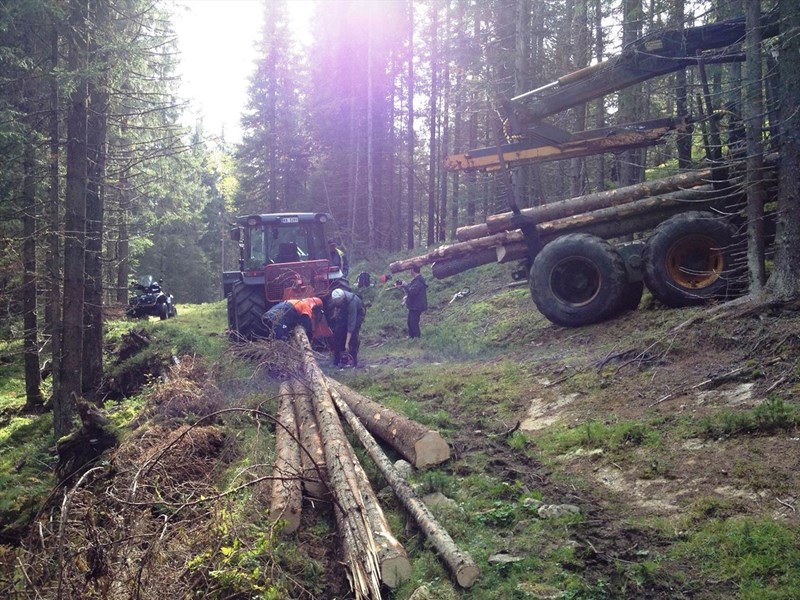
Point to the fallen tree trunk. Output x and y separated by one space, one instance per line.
286 497
459 563
588 203
312 458
367 530
418 444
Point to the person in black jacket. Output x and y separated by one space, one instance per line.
416 301
349 313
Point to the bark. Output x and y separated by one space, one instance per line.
95 215
74 229
312 456
410 142
605 223
33 393
434 99
53 313
610 222
418 444
286 498
375 545
605 199
458 562
784 281
756 194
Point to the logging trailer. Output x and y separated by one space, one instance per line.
282 256
576 275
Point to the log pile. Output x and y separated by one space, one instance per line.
313 457
607 214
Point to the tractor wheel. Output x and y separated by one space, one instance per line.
578 279
688 259
631 296
248 306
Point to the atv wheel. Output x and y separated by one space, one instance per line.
173 311
248 305
163 311
688 259
578 279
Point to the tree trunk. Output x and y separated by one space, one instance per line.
376 545
95 214
54 233
756 194
33 393
410 130
286 498
419 445
459 563
784 282
432 150
370 141
74 228
590 202
312 456
615 221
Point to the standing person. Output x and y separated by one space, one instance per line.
416 301
349 315
338 257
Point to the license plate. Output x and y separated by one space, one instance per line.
290 220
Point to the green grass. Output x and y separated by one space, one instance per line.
770 416
760 558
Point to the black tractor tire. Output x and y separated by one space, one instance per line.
248 304
688 259
163 311
631 296
578 279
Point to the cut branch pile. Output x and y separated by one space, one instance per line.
313 451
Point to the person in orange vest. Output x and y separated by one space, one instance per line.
282 318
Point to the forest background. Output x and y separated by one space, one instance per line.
99 181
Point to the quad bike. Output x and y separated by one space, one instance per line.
150 300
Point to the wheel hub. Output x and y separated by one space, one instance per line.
695 262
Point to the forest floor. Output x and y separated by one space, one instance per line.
635 458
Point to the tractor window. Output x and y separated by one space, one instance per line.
254 250
288 243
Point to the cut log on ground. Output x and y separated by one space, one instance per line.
312 458
418 444
459 563
370 536
287 497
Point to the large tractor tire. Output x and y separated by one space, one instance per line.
578 279
688 259
246 305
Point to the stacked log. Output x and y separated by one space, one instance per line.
311 447
607 214
373 554
286 495
419 445
459 563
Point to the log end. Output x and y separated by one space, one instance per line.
466 575
395 571
430 449
289 517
